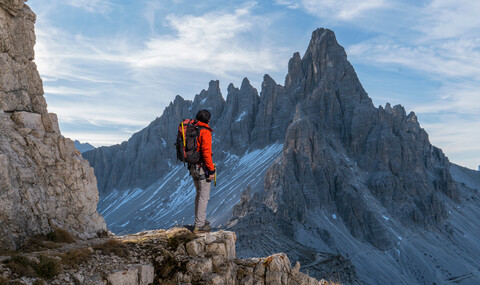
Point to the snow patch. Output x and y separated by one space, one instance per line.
240 117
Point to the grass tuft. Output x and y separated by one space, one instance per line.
48 267
49 241
21 266
177 237
60 235
113 246
74 257
3 281
168 266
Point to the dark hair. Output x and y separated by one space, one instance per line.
203 116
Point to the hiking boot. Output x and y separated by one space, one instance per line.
204 229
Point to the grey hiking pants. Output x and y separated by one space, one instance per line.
203 194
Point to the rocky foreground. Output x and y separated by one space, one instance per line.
174 256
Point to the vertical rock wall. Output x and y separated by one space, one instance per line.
44 181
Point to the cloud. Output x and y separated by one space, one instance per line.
216 42
289 4
458 58
449 19
68 91
92 6
346 10
150 13
459 143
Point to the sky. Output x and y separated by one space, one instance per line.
110 67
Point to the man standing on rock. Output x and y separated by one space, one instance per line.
203 172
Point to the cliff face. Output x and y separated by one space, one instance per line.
44 182
342 153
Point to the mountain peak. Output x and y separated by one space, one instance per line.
214 86
246 84
268 80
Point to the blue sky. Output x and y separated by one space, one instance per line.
111 67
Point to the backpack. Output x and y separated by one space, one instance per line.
186 144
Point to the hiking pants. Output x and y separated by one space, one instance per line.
203 194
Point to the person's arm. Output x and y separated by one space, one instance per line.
206 150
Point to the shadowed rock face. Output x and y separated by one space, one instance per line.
342 153
44 182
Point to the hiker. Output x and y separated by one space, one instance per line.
203 172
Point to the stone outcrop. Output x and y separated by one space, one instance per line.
172 257
44 182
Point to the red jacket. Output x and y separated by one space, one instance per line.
204 146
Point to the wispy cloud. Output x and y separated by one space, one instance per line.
458 58
216 42
92 6
458 137
449 19
69 91
212 43
288 3
347 10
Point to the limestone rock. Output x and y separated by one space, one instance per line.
20 84
44 182
123 277
146 274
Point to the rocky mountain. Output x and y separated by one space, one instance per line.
45 184
311 168
83 147
362 182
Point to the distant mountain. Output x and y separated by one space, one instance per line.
311 168
83 147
